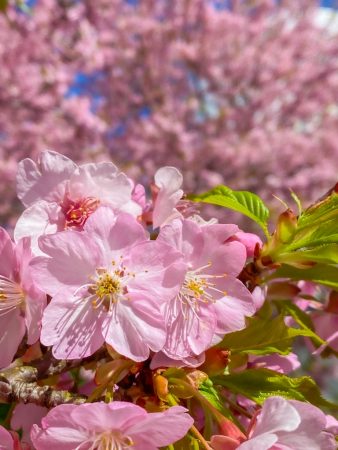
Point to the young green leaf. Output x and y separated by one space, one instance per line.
244 202
259 384
321 211
262 337
288 308
320 273
327 253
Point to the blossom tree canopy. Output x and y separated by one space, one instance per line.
231 97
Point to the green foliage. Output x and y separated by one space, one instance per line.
259 384
288 308
327 253
312 238
243 202
264 336
208 391
320 273
321 212
4 409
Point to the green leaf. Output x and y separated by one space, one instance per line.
212 395
327 253
325 233
322 211
288 308
320 273
262 337
244 202
4 409
296 199
260 384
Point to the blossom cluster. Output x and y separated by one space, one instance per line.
226 96
120 281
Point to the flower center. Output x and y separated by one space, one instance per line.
11 295
199 287
77 212
111 440
109 285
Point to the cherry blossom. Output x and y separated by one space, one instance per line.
116 425
21 302
231 97
283 424
6 440
211 301
108 284
60 195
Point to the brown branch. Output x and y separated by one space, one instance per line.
19 384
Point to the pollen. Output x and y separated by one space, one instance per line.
196 287
107 285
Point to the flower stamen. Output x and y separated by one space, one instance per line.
11 295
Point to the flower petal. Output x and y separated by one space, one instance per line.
12 328
74 256
45 180
72 326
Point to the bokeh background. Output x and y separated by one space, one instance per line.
238 92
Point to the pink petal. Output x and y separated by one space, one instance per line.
103 181
38 219
57 438
249 240
73 259
102 416
114 232
25 416
45 180
261 442
12 327
232 309
309 433
134 329
228 258
7 259
72 326
277 415
36 302
6 440
184 235
161 429
159 270
169 181
189 332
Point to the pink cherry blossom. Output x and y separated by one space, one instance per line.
168 183
109 284
24 416
283 425
21 302
219 109
249 240
116 425
211 301
279 363
6 439
60 195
